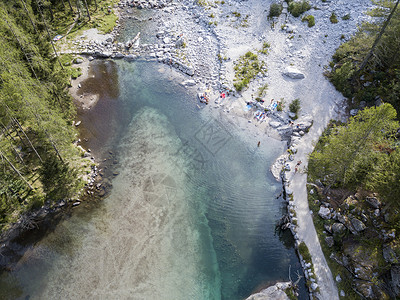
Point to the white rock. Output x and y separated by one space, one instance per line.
324 213
189 82
338 278
293 73
274 124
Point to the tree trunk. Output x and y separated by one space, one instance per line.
70 6
15 170
63 4
378 38
51 12
29 141
22 48
78 9
29 16
48 33
87 9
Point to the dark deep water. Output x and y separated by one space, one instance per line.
191 215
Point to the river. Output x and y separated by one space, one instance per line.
191 214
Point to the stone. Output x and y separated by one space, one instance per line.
189 82
353 112
329 241
338 228
373 202
338 278
179 42
314 286
358 225
395 274
389 254
190 71
276 291
90 58
293 73
324 213
78 60
274 124
292 115
166 40
342 293
76 203
328 228
119 55
130 57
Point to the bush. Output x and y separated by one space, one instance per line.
294 106
275 10
341 76
346 17
333 18
310 19
297 8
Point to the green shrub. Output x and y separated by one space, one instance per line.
281 105
275 10
341 76
297 8
310 19
305 252
294 106
246 69
333 18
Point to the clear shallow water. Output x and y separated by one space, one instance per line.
191 215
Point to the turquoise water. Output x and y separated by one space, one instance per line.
191 215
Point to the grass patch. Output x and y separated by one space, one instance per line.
305 253
265 48
236 14
309 19
262 90
298 8
246 69
333 18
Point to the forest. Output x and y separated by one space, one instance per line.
38 160
364 152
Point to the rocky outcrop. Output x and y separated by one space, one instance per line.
276 292
369 251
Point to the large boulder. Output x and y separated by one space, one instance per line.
293 73
338 228
329 241
324 213
358 225
276 292
373 202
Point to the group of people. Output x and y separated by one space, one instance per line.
260 115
